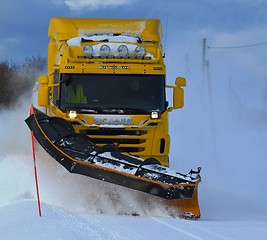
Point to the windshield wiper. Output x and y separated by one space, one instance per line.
91 110
124 110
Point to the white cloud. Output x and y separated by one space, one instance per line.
78 5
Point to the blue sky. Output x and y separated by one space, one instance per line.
24 27
24 23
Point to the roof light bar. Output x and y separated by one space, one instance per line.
113 50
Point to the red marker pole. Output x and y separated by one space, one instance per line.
35 168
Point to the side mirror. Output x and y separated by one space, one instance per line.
43 94
180 81
178 93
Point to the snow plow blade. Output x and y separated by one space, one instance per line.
78 154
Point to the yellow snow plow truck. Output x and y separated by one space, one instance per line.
106 110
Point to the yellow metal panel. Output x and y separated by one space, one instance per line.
62 29
66 28
113 68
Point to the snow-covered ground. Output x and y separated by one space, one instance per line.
230 146
20 221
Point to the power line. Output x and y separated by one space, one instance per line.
242 46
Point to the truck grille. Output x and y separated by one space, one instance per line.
128 140
116 132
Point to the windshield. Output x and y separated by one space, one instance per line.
108 93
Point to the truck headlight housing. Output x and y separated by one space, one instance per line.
88 50
72 114
140 51
155 115
104 51
123 51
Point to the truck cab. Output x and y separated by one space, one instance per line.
108 78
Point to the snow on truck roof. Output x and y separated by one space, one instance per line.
103 38
66 28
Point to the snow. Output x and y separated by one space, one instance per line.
101 37
132 29
118 167
20 221
124 166
232 193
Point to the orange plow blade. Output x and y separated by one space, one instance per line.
187 208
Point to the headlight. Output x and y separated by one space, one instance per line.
88 50
140 51
72 114
155 115
104 51
123 51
